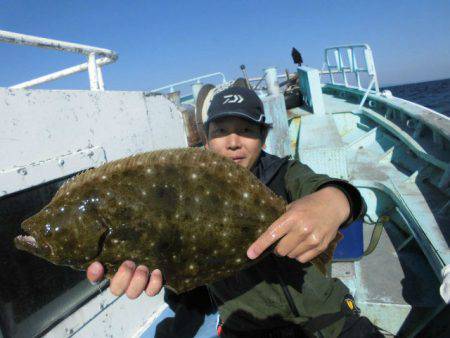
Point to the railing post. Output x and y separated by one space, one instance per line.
342 66
101 84
358 80
371 66
272 81
196 89
361 104
350 59
329 69
93 72
336 59
93 65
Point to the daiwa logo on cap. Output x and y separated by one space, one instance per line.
239 102
233 99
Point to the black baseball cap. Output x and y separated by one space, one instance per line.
237 101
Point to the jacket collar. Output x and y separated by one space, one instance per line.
267 166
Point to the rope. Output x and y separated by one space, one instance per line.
376 232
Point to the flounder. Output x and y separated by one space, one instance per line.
189 212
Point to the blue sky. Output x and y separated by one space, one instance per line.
160 42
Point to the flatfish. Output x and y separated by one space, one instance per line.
189 212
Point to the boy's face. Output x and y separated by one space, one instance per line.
237 139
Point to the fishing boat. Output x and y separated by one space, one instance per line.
335 119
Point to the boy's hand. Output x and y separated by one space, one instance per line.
307 227
129 279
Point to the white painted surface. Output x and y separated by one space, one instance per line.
22 177
275 110
38 126
309 81
110 316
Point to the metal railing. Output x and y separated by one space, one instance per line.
343 60
171 87
93 64
260 79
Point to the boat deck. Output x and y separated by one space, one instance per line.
396 286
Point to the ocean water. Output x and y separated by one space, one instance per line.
431 94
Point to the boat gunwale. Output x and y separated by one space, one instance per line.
438 122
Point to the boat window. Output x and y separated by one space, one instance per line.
34 294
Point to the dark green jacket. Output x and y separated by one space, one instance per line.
278 291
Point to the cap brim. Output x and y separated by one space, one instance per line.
237 114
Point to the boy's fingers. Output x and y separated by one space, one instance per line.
289 243
95 272
277 230
155 284
309 243
309 255
138 282
122 278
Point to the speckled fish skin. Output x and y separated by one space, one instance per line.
189 212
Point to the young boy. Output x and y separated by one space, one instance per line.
282 295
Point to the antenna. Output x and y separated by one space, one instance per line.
244 72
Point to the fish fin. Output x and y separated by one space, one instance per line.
326 257
88 175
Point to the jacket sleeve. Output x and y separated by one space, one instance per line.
300 180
